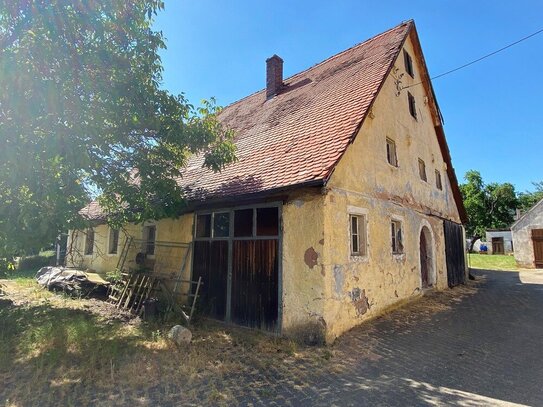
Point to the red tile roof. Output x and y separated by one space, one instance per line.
298 136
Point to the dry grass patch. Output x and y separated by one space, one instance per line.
57 349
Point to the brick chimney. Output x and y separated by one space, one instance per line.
274 76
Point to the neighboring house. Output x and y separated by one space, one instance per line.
499 241
528 237
343 203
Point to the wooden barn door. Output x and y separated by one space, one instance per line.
454 253
537 239
497 245
237 252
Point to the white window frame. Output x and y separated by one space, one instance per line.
109 237
397 250
361 214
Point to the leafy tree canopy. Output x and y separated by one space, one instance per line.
489 206
528 199
82 112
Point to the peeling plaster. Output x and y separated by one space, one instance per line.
339 279
311 257
360 301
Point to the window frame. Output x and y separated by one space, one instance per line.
422 170
146 242
89 247
408 62
439 183
392 143
412 105
109 241
361 214
396 225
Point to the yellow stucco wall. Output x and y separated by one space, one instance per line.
358 288
303 288
168 253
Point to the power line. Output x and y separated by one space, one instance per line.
480 59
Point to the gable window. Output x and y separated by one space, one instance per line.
439 185
396 234
412 106
391 153
113 241
89 242
408 63
422 170
149 237
358 235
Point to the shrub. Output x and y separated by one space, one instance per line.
35 262
6 266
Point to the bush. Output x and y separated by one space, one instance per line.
35 262
6 266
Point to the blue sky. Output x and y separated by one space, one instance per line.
492 110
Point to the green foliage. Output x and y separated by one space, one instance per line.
114 276
35 262
82 113
489 206
6 267
528 199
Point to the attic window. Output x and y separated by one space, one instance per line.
391 153
422 170
438 180
412 106
408 63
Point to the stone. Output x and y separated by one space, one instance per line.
180 335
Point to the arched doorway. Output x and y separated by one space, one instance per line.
426 256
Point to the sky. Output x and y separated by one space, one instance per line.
493 110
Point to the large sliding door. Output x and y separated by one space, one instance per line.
237 252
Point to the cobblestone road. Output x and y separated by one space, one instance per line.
477 349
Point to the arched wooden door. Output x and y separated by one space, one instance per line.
424 269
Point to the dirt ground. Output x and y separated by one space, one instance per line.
57 350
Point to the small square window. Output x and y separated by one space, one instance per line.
358 235
89 242
243 223
397 243
412 106
221 224
422 170
408 63
267 221
439 185
113 241
391 153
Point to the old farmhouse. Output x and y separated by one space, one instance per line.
343 203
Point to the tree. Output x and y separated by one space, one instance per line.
528 199
490 206
82 113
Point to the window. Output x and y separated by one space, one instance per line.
246 223
408 63
358 235
396 230
113 241
438 180
203 225
412 106
422 170
149 239
89 242
391 153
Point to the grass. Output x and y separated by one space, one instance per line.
59 350
492 261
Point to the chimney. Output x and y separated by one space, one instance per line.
274 76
